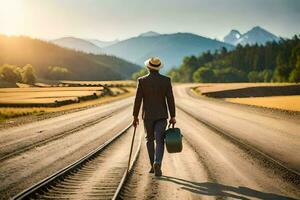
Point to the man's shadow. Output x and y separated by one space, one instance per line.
225 191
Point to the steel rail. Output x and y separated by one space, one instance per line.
127 172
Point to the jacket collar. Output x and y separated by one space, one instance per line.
153 73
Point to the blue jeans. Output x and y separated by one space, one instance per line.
155 131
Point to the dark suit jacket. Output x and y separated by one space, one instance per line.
155 91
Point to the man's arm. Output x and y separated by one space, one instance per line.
170 100
137 103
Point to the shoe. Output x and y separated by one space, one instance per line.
157 169
151 171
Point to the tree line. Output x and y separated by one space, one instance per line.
272 62
27 73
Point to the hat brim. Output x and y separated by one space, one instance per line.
147 64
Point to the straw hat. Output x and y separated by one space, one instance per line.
154 63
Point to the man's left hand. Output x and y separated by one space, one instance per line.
135 121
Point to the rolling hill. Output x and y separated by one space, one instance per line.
102 44
171 48
255 35
78 44
82 66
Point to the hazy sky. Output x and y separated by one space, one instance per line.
112 19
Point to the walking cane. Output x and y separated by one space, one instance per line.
132 141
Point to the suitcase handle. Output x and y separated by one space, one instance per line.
173 125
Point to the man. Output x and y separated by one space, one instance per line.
155 91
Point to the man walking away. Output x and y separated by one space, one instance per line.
155 91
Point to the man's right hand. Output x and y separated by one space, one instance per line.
172 121
135 121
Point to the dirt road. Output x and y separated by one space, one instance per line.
210 167
237 153
230 151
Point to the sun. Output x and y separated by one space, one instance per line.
11 17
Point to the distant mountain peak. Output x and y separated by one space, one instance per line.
258 28
256 35
78 44
234 31
149 34
103 44
232 37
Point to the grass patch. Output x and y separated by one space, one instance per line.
196 90
8 113
123 83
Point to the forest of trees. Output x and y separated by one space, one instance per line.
15 74
273 62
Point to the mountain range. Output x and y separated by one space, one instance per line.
171 48
256 35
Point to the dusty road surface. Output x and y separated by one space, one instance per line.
15 140
230 151
273 134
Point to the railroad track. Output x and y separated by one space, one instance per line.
100 174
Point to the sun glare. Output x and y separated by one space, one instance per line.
11 17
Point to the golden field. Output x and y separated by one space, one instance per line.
12 112
284 96
47 96
16 102
291 103
216 87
